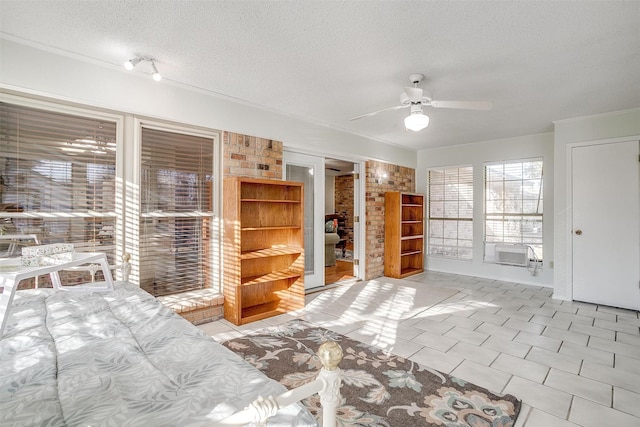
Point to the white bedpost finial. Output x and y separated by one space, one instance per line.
330 354
126 266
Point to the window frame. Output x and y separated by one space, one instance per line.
134 215
458 219
537 256
61 107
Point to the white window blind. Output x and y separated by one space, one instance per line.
176 212
57 179
451 212
514 204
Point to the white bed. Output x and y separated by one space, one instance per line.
120 358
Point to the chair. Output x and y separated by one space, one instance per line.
330 242
334 238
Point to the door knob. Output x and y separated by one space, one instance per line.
579 232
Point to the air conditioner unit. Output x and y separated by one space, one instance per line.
512 255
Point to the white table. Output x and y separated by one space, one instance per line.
11 273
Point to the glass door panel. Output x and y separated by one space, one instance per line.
310 171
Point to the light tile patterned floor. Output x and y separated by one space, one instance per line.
572 364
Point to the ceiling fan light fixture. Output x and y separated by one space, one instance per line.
415 97
416 121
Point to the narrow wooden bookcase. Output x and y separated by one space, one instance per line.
263 248
403 234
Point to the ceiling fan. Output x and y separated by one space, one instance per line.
414 97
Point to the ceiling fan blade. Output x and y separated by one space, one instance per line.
397 107
413 93
466 105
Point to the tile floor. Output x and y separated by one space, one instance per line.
572 364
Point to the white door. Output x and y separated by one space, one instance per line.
606 224
310 171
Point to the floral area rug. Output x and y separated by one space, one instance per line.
347 255
378 388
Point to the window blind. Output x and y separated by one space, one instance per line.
451 212
514 203
57 179
176 212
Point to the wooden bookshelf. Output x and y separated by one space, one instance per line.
263 248
403 234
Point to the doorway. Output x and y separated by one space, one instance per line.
605 239
318 173
340 214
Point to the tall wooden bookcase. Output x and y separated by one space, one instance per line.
403 234
263 248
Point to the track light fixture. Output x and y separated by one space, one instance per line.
131 64
156 75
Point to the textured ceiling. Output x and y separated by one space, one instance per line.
328 61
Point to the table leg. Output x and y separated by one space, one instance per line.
106 272
55 280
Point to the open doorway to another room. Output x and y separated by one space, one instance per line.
339 221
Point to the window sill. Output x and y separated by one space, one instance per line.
201 306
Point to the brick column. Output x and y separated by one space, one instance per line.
251 156
380 178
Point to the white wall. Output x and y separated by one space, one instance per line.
583 129
329 194
552 148
476 154
27 69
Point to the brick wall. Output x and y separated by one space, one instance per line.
245 155
380 178
344 204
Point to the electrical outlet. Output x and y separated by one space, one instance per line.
550 264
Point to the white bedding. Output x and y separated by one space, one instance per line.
116 359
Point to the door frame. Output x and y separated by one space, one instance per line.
569 204
359 210
359 207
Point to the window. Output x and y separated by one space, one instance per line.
57 179
451 212
513 204
176 212
59 183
